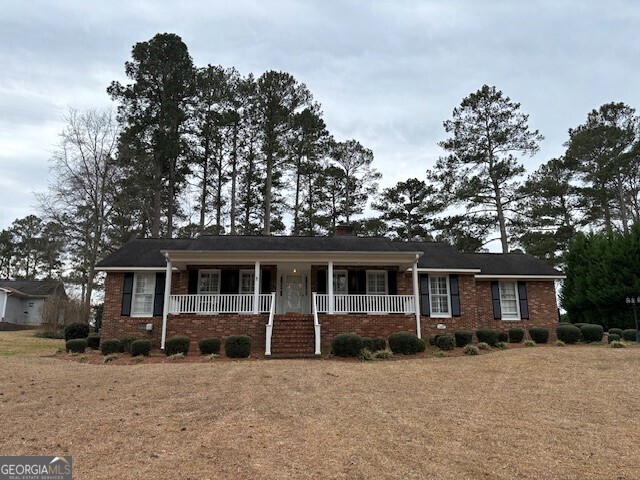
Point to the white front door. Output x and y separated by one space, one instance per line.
294 293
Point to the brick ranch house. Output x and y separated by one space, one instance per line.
294 294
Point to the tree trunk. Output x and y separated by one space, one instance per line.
296 207
234 174
219 194
267 195
205 181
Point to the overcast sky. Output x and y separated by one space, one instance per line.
386 73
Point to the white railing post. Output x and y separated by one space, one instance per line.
256 288
167 299
316 324
330 287
272 310
416 297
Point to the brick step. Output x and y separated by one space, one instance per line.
289 355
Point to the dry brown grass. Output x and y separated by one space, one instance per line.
539 413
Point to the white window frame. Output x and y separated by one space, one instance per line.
510 317
432 295
134 294
200 272
346 282
386 282
251 274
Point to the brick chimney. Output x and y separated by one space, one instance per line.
344 229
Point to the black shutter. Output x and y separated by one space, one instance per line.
127 293
392 282
524 302
495 296
424 295
357 282
454 290
193 282
229 281
322 282
265 278
158 297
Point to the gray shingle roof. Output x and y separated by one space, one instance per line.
34 288
510 264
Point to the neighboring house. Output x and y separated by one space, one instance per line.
294 294
277 290
21 300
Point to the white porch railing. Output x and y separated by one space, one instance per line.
372 304
316 323
272 314
213 304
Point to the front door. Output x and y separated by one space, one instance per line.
294 293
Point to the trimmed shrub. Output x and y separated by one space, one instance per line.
93 341
140 347
126 343
176 345
529 343
488 336
629 334
406 343
560 343
503 337
76 345
383 354
445 342
238 346
502 345
432 340
615 331
54 335
374 344
109 347
76 330
347 345
209 346
484 346
539 334
592 333
614 337
516 335
422 345
463 337
471 350
568 333
617 345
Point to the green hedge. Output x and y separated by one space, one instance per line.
503 337
406 343
347 345
76 345
93 341
488 336
140 347
615 331
76 330
238 346
592 333
516 335
568 333
209 346
176 345
629 334
463 337
445 342
126 343
374 344
107 347
539 334
613 337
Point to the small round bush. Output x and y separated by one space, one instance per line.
176 345
347 345
238 346
503 337
383 354
366 355
516 335
592 333
560 343
471 350
484 346
76 330
488 336
140 347
126 343
614 338
374 344
108 347
432 340
529 343
422 345
539 334
502 345
93 341
617 345
209 346
568 333
76 345
629 334
406 343
463 337
615 331
445 342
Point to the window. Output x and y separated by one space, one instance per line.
209 281
439 299
509 304
376 282
340 282
247 281
144 286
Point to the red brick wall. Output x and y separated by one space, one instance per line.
375 326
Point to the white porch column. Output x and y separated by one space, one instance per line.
330 287
256 289
416 296
165 308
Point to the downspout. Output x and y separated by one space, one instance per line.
167 296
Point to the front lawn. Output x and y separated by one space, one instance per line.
25 343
